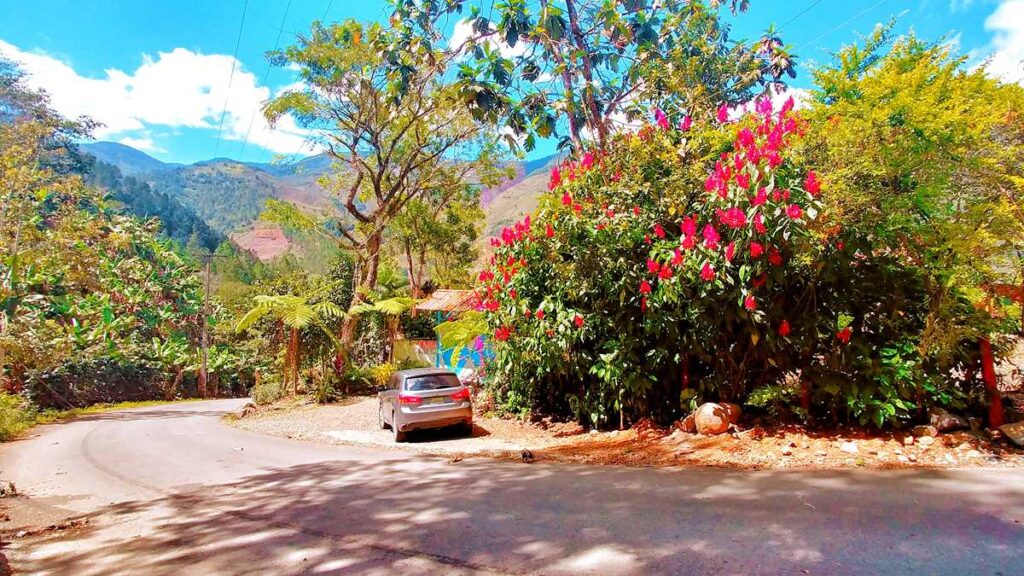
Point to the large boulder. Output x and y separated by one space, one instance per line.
688 424
944 421
1015 432
711 419
733 411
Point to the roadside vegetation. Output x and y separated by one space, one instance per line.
838 255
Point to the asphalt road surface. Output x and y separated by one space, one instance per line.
172 490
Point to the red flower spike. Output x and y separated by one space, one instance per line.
730 251
794 211
689 242
784 329
588 161
707 273
711 237
759 224
665 273
677 257
811 183
775 257
540 314
760 198
844 335
566 199
549 231
653 267
750 303
659 231
661 119
556 178
756 249
686 123
645 287
689 226
723 113
578 320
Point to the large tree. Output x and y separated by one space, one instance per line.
385 109
584 68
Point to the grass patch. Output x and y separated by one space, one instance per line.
18 415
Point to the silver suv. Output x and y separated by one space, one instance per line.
424 398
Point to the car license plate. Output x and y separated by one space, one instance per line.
436 400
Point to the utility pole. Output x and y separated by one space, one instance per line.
204 342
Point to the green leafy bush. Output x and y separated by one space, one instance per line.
16 415
269 389
700 262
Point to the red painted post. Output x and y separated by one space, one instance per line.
988 373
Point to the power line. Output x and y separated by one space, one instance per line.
802 12
231 77
266 74
326 10
851 19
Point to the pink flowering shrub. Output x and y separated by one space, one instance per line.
683 264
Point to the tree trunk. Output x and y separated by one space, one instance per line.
589 102
295 361
174 384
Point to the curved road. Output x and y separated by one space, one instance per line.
171 490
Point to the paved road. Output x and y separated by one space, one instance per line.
171 490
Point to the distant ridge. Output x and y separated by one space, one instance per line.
128 160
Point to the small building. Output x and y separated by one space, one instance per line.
445 305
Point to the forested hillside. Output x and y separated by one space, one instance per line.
229 196
139 198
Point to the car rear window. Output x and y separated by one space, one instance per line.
431 382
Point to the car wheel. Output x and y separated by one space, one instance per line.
380 417
398 434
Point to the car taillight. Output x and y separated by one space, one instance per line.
461 395
407 399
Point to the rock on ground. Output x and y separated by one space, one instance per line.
944 421
711 419
924 431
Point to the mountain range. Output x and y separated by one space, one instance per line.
228 195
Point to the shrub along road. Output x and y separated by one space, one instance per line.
165 489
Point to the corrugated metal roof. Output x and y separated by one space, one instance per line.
449 301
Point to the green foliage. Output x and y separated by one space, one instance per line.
611 300
92 302
268 390
382 372
16 415
584 66
139 199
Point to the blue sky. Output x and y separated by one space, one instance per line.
156 73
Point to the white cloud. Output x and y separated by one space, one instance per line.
145 144
177 89
960 5
1007 46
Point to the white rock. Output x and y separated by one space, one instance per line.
849 447
925 441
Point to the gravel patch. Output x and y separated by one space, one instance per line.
354 423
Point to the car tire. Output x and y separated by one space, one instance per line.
398 434
380 418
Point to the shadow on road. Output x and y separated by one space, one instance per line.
424 515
